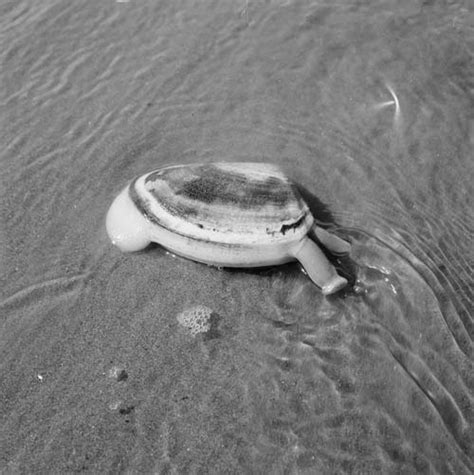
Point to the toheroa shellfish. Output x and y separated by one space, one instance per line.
224 214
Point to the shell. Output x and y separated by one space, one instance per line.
224 214
228 203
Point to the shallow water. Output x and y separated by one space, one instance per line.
370 108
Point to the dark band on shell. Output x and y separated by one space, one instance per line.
209 184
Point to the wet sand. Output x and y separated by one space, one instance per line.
96 372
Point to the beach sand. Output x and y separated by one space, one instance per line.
96 372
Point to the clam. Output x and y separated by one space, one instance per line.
227 215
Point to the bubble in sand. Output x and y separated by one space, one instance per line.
196 319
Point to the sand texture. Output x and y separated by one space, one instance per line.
368 106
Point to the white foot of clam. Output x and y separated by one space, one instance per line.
126 226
